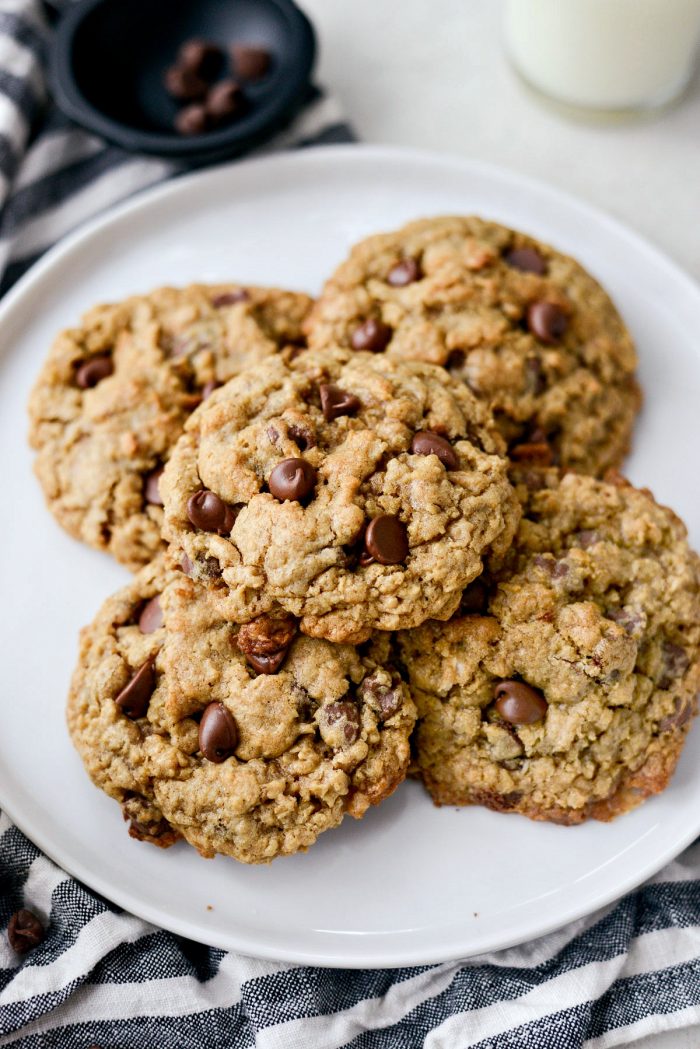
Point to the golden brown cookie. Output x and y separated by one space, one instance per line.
354 491
565 687
249 741
527 328
114 394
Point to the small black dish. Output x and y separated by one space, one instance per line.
109 57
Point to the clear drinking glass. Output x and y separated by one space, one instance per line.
605 55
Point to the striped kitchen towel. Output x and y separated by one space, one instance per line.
104 978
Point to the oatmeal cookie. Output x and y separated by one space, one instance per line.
355 492
114 394
527 328
565 687
248 741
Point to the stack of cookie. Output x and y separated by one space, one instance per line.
370 537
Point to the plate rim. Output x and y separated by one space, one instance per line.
399 955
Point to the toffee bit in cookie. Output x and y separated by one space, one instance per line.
151 488
427 443
372 335
94 371
339 723
134 698
547 322
25 931
206 511
250 62
151 618
518 703
528 260
405 272
386 540
218 733
336 402
192 120
292 480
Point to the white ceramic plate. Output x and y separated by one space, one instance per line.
409 884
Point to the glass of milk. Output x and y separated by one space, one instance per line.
605 55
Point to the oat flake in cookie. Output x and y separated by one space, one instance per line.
249 741
354 491
565 689
524 326
114 394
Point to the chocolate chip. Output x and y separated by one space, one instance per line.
151 488
192 120
301 437
224 101
682 713
518 703
184 84
526 259
250 62
387 699
675 662
426 442
340 723
230 298
268 664
200 57
631 620
555 569
151 618
336 402
386 540
292 480
475 599
25 931
405 272
371 335
535 378
209 387
546 321
588 537
218 733
186 565
134 698
94 371
206 511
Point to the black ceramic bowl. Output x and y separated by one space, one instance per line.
109 57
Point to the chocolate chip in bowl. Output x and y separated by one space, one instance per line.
193 80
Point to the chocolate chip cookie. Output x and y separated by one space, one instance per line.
527 328
354 491
114 394
565 687
250 740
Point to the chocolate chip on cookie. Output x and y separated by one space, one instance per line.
386 540
292 480
528 260
94 371
372 335
518 703
547 322
427 443
405 272
206 511
218 734
151 618
336 402
134 698
151 488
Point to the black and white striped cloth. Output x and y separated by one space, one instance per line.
105 978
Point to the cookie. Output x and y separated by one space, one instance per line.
114 394
248 741
565 688
528 330
354 491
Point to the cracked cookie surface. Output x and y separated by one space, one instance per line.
113 396
526 327
204 745
566 686
354 491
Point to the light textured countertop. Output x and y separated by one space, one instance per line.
432 74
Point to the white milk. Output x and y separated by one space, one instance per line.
605 54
